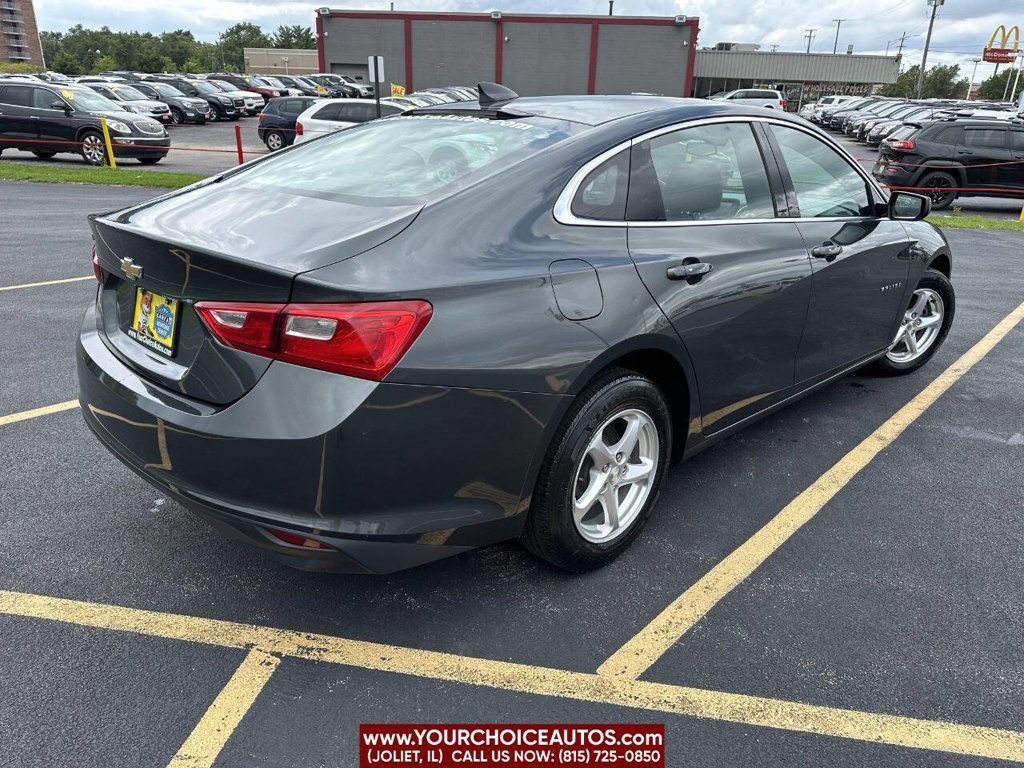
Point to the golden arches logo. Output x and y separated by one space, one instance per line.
1004 53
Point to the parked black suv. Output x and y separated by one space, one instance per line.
184 109
48 119
277 120
947 159
222 105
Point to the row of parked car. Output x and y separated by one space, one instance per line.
946 149
294 119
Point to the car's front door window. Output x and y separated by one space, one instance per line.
825 183
707 172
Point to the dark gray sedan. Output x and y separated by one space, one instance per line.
494 319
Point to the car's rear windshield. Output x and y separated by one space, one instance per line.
903 132
408 157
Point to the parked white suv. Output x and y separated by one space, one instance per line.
824 103
327 115
755 97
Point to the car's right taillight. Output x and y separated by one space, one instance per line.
902 144
97 270
365 339
298 128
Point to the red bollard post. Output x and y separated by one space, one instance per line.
238 143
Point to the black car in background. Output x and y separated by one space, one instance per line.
277 120
223 106
307 88
335 87
184 109
249 83
952 158
49 119
337 368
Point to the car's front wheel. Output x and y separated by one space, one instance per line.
216 113
923 327
177 116
93 150
602 474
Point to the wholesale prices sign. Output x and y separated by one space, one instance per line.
487 745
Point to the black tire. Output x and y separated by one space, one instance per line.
216 113
177 116
550 531
43 155
92 154
274 140
150 160
938 282
935 181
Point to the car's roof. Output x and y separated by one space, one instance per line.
592 110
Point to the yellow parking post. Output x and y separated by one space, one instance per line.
106 140
1022 214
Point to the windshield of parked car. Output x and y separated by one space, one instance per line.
257 81
273 81
128 93
90 101
222 85
405 157
205 87
165 90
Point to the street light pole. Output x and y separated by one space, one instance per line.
839 23
973 73
810 37
927 43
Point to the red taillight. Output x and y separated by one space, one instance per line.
97 270
298 128
295 539
365 340
902 144
784 104
260 120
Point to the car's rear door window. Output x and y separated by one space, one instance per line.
357 113
991 138
824 182
328 112
18 96
1017 141
707 172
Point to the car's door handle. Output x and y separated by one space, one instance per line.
827 251
693 269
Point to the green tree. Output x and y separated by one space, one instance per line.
995 86
294 36
942 81
66 62
104 64
235 39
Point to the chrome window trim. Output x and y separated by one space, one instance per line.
563 214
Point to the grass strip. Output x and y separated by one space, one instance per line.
120 177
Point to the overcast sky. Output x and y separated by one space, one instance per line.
961 30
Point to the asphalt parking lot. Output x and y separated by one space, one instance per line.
839 585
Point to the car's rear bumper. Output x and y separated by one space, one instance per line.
387 476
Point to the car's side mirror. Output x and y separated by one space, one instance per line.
61 106
907 206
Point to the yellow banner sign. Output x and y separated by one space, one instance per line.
397 90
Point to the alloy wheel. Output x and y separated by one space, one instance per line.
939 189
93 150
920 327
615 476
274 141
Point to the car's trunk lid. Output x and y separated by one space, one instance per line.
212 244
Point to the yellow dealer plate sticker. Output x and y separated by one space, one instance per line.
154 321
69 95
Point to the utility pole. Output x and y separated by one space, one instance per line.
973 73
611 5
775 47
810 37
839 23
927 43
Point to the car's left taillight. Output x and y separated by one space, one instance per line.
365 339
298 128
97 270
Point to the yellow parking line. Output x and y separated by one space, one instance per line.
46 282
225 713
971 740
646 647
35 412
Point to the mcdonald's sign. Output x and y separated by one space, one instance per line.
1004 53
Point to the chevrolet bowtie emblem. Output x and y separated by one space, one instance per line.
131 270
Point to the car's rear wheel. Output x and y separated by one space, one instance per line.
93 150
923 327
602 474
940 187
177 116
43 155
274 140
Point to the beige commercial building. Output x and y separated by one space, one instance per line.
279 61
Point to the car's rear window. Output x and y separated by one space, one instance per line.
411 156
903 132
